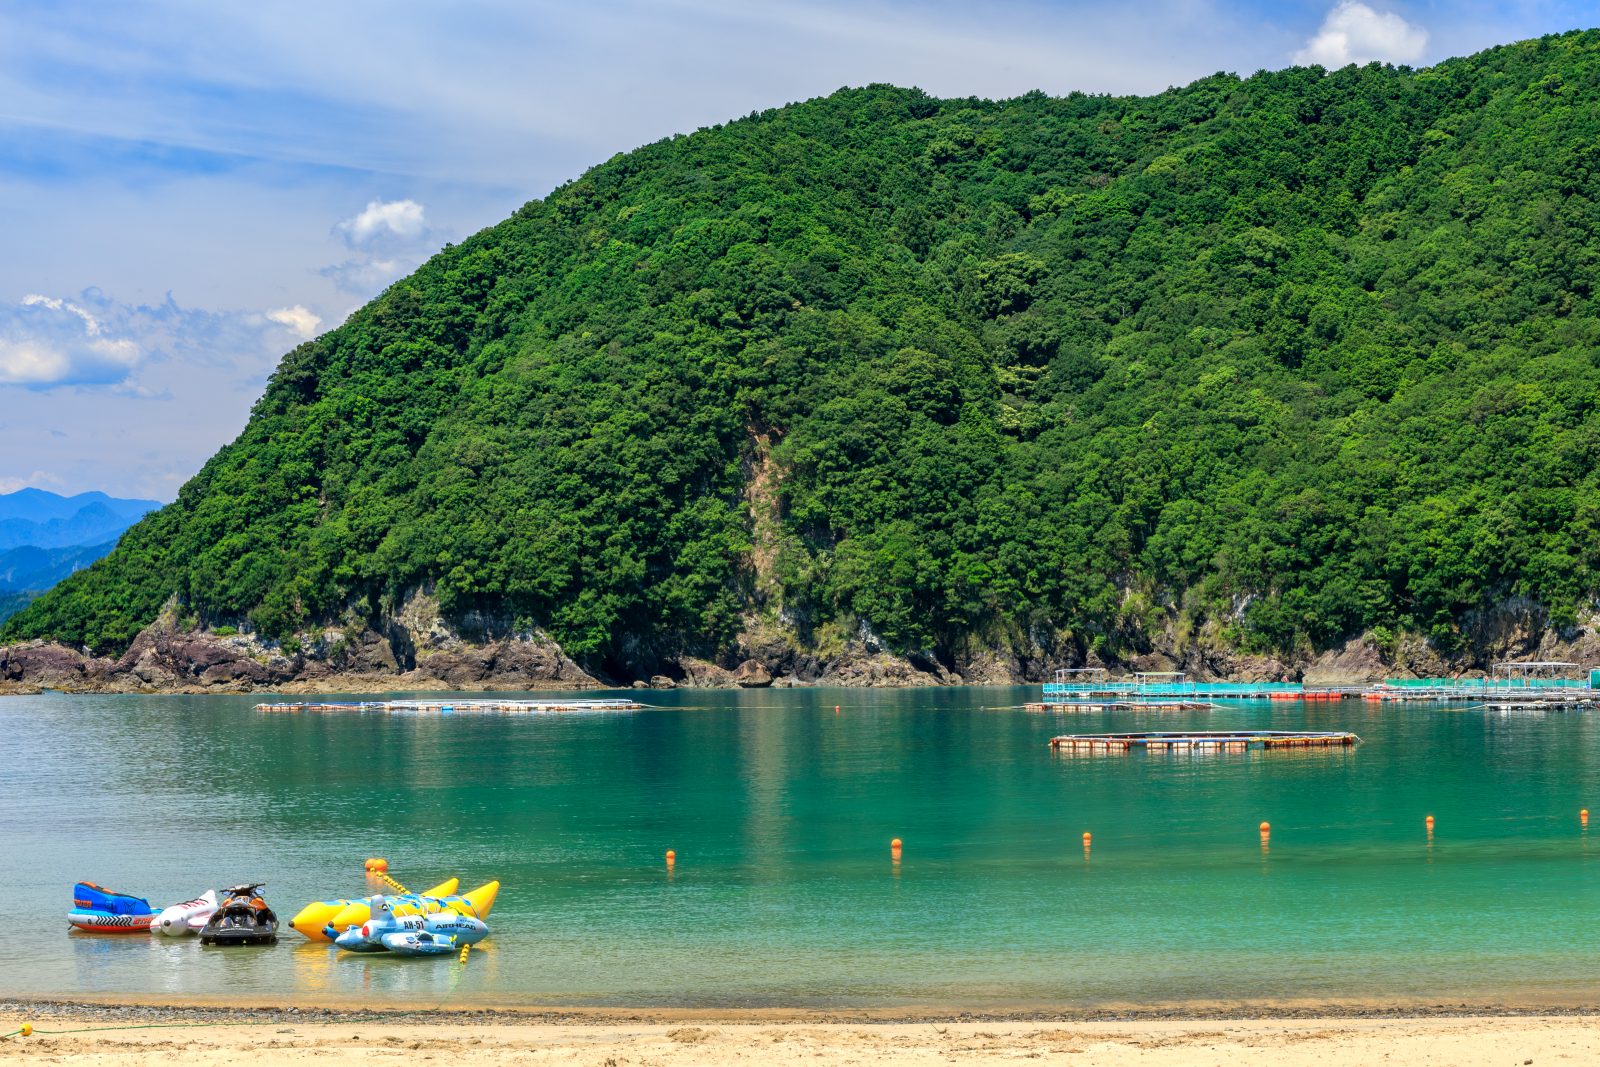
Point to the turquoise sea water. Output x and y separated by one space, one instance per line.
781 812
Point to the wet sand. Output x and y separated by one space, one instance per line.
153 1036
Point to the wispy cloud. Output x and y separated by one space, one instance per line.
91 340
36 480
387 239
1356 33
301 321
46 341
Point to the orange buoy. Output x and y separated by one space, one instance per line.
377 865
1266 828
1087 837
894 846
672 857
1429 821
1583 816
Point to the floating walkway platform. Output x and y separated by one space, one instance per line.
447 707
1225 740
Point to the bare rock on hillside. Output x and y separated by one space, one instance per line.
35 664
529 657
861 668
1359 662
166 657
986 666
751 674
702 674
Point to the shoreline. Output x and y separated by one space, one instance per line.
191 1009
290 1038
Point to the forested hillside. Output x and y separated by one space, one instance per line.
1276 361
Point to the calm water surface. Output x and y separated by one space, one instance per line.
781 811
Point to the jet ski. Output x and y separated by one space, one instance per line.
101 911
242 918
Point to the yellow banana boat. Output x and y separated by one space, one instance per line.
315 917
478 902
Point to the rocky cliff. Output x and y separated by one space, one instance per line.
418 650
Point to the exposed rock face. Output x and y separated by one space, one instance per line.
702 674
751 675
417 652
416 649
37 663
1359 662
523 657
883 669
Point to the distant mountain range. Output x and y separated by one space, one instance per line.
48 520
45 536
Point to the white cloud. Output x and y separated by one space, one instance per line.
46 341
93 340
28 363
366 276
393 218
1355 33
54 304
301 322
388 239
36 480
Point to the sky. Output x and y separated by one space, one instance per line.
189 189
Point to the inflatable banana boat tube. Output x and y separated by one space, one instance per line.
477 902
179 920
411 935
315 919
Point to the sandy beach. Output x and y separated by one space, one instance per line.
143 1037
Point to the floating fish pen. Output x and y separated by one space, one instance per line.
1224 740
448 707
1119 706
1089 687
1525 683
1073 684
1536 683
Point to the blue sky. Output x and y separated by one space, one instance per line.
192 188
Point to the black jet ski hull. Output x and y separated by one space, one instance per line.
239 936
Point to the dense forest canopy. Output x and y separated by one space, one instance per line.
1298 355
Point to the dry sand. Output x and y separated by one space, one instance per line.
496 1039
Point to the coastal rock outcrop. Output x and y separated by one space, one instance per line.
751 674
416 649
703 674
887 670
34 664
